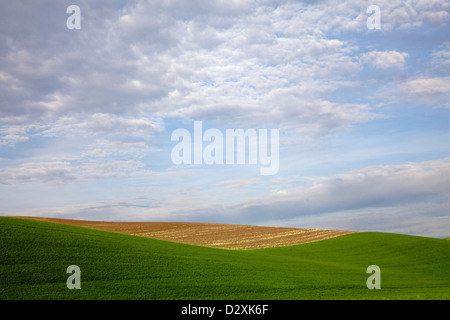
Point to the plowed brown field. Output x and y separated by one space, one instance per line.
228 236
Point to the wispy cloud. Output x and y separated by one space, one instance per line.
98 124
385 59
57 171
427 85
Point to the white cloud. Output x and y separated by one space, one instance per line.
391 187
192 59
102 124
427 85
102 148
435 17
100 168
385 59
51 171
440 57
11 135
237 183
412 14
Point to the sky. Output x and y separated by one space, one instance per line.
87 112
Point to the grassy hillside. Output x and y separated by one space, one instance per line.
35 256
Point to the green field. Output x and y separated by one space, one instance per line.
36 254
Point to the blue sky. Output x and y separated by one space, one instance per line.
86 115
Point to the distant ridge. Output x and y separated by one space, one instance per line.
227 236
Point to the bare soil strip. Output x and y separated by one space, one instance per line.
227 236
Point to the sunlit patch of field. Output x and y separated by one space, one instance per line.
227 236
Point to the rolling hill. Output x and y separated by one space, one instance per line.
35 256
227 236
